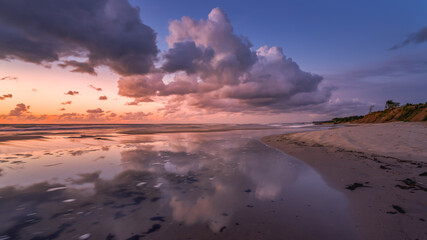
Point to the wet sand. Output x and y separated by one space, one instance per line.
381 168
103 184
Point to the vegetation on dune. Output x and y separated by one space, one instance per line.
392 112
390 104
346 119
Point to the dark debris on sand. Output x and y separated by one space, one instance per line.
353 186
154 228
410 184
399 209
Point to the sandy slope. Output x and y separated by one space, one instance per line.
407 141
390 160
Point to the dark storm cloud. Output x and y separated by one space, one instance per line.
71 93
185 56
105 32
417 37
19 110
215 69
4 96
81 67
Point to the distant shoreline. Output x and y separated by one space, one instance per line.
384 165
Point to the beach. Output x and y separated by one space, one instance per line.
205 181
381 168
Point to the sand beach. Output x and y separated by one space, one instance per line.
381 168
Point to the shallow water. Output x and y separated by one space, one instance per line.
103 184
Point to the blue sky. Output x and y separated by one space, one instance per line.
321 36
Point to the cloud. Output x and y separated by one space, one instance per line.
104 32
187 57
8 78
213 68
417 37
95 88
19 110
81 67
399 66
133 103
20 113
134 116
66 102
87 178
95 111
72 93
5 96
102 98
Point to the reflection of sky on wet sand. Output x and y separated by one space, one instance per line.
165 186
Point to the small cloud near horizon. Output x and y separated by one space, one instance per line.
4 96
71 93
8 78
66 102
95 88
19 110
102 98
95 111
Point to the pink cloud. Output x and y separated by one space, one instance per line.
215 69
95 88
8 78
21 114
71 93
19 110
5 96
95 111
102 98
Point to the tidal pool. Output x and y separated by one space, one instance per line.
105 184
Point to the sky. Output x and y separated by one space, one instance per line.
146 61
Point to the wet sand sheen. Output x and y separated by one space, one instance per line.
380 167
217 185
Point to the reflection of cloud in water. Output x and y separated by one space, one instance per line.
52 208
207 208
86 178
203 177
231 168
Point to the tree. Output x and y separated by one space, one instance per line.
390 104
370 108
